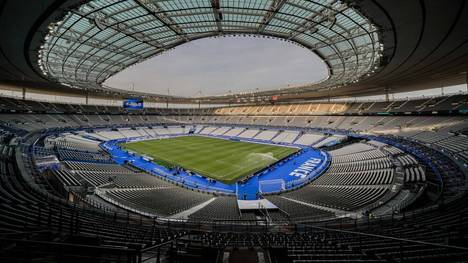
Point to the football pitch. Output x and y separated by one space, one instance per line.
223 160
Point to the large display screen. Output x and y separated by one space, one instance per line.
133 104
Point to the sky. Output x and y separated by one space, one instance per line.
215 66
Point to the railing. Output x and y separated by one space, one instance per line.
241 226
30 250
206 225
152 253
458 252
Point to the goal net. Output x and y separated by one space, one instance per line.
267 186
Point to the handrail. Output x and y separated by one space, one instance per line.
23 232
157 246
386 237
50 243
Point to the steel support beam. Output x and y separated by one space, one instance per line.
161 17
272 11
217 14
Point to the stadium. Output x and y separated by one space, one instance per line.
342 168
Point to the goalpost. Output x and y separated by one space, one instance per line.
273 185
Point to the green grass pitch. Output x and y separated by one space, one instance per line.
223 160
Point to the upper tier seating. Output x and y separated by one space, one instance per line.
452 102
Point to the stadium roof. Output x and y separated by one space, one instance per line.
101 38
368 46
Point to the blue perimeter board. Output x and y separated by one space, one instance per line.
295 170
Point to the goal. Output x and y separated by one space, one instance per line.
268 186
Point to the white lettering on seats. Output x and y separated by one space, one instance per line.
306 168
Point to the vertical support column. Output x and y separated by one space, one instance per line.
24 93
199 98
466 80
387 94
87 97
167 99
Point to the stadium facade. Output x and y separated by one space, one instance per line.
288 175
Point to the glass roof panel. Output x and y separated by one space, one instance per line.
103 37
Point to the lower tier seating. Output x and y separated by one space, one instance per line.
298 211
165 202
222 208
348 198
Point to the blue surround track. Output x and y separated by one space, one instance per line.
289 173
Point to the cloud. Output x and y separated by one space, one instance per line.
217 65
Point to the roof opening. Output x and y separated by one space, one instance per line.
223 65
